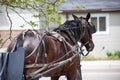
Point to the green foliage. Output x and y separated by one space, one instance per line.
114 55
33 24
117 53
45 8
109 54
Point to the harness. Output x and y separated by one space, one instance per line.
54 64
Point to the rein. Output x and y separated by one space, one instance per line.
53 65
64 27
35 49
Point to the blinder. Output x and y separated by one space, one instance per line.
92 28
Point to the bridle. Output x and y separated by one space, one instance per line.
84 27
82 36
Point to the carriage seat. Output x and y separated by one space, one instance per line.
12 65
3 63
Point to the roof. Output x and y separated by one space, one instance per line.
90 5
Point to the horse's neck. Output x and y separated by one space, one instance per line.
68 38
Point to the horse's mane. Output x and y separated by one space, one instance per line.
71 28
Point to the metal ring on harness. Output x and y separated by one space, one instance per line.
82 51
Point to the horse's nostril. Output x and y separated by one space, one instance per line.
91 46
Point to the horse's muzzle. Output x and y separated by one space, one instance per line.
90 46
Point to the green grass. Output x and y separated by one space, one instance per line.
113 55
91 58
110 56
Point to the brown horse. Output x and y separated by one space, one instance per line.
85 34
73 33
51 47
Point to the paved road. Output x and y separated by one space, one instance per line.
98 70
101 70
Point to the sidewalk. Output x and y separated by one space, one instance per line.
101 63
101 70
96 69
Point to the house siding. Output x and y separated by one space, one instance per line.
17 21
108 42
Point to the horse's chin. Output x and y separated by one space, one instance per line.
91 47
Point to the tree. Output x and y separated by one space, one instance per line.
44 8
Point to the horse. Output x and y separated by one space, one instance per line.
71 35
48 48
70 31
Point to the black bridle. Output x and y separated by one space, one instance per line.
71 26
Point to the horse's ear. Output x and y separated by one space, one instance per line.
88 16
75 17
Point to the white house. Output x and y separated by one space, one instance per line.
105 14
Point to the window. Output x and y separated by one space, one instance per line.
101 23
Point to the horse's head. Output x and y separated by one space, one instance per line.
87 30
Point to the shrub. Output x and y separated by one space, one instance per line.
114 55
117 54
109 54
